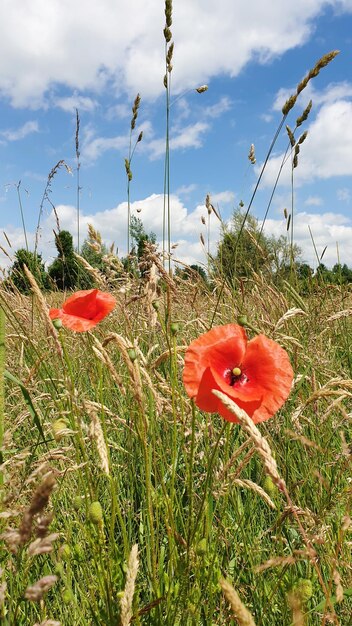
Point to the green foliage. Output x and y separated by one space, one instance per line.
242 249
66 271
192 273
18 279
139 236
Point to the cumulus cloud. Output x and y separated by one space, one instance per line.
70 103
327 229
190 136
313 201
85 46
324 154
20 133
186 227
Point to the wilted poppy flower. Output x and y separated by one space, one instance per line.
255 374
84 309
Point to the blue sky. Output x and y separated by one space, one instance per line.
59 55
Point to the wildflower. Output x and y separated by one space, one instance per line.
84 309
255 374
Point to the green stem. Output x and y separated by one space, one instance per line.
2 388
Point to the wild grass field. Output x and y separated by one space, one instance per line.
138 503
130 492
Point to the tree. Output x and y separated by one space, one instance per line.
139 235
17 276
242 249
194 272
66 271
341 274
139 238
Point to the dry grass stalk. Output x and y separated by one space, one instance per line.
132 369
103 356
222 473
150 291
96 433
151 257
290 313
241 613
127 598
291 101
249 484
93 271
337 316
39 502
42 545
295 603
35 592
281 561
304 441
43 309
48 622
339 589
259 441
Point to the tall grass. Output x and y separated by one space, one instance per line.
123 503
135 463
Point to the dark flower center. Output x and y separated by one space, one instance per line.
235 377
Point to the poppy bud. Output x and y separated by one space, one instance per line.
57 323
77 503
242 320
95 513
269 486
201 547
79 552
67 596
65 551
174 327
59 427
156 305
132 354
304 589
59 569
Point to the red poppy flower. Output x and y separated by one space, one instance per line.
255 374
84 309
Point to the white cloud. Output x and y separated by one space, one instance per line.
186 227
20 133
187 137
218 108
344 194
313 201
328 229
223 197
70 103
331 93
185 190
324 154
84 45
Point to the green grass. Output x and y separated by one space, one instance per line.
171 486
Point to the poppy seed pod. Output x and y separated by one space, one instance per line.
95 513
174 327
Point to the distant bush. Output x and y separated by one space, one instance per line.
66 271
17 277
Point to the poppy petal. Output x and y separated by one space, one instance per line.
199 352
256 375
84 309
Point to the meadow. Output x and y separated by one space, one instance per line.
124 502
137 502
